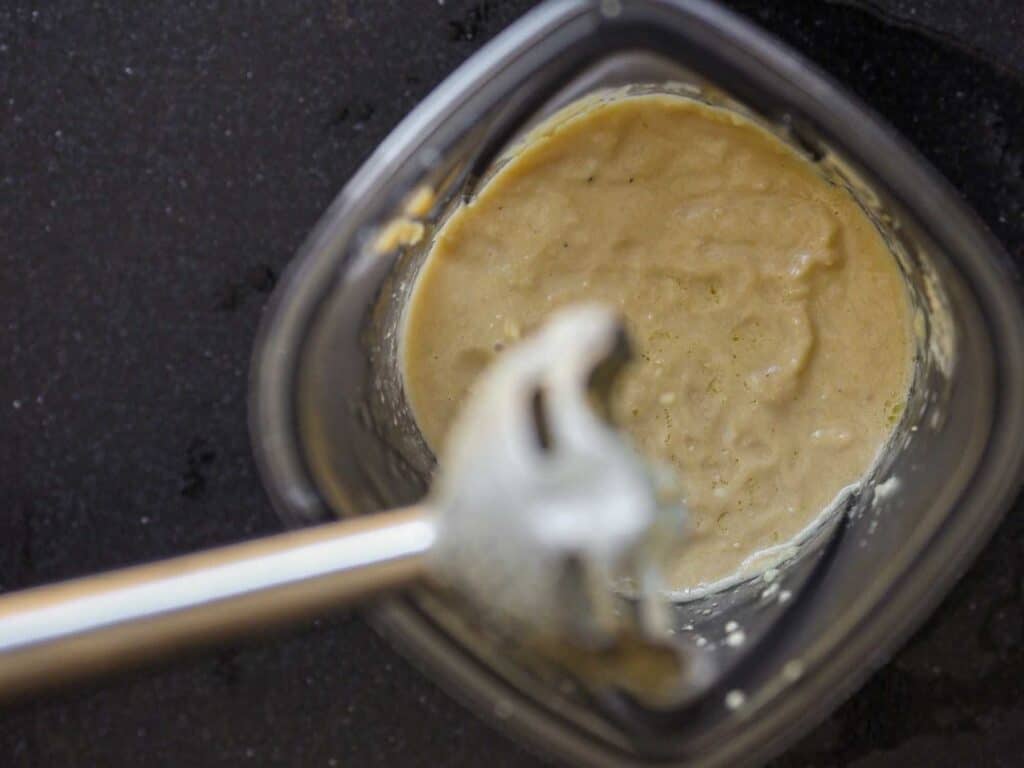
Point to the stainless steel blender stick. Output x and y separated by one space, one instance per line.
484 530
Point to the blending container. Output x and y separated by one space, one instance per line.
334 435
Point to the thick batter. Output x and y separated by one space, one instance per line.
770 319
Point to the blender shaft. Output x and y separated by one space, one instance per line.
98 623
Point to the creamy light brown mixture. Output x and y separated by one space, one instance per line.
770 320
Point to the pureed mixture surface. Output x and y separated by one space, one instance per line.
770 320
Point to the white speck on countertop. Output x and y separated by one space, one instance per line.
793 670
735 699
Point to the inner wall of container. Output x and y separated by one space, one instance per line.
393 464
370 455
933 339
365 453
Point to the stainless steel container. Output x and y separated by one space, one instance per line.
333 434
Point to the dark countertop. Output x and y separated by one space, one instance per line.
159 165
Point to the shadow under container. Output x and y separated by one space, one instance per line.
334 436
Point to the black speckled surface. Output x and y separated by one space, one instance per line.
159 165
